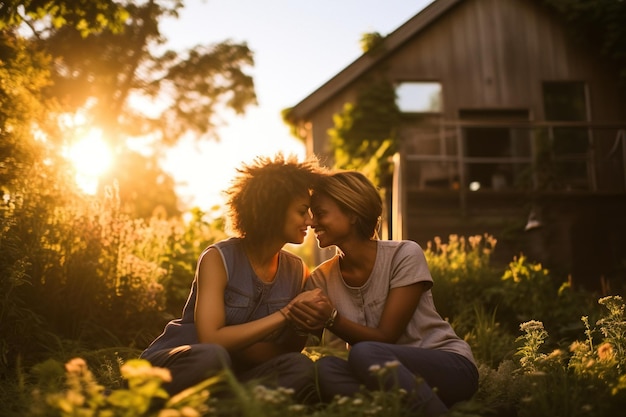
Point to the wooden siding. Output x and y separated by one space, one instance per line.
493 57
496 54
487 54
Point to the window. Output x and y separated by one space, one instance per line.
565 101
569 146
419 97
497 157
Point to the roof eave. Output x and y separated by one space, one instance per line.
366 61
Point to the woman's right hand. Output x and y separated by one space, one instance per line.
310 310
308 296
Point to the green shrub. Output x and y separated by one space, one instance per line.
126 277
463 277
80 274
585 381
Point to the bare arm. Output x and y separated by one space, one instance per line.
210 310
399 308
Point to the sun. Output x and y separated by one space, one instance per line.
91 158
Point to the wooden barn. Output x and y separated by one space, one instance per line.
510 126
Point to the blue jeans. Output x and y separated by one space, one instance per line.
192 364
434 379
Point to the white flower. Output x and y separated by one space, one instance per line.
392 364
374 368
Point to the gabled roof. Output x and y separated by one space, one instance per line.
366 61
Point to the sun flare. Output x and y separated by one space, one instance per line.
91 157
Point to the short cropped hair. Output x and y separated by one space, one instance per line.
262 191
355 194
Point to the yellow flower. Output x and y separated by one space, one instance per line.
187 411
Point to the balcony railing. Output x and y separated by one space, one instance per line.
500 157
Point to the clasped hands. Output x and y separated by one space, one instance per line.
309 310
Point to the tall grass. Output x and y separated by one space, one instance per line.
85 287
587 379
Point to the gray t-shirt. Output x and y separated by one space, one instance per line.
398 264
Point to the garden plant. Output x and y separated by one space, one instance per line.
543 347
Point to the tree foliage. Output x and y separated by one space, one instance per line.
111 68
88 16
600 23
106 61
371 42
84 271
363 136
23 74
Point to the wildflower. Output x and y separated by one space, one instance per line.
605 351
532 326
342 400
475 240
75 398
144 369
374 369
287 391
374 411
357 401
169 412
272 396
76 366
392 364
615 305
188 411
555 355
609 301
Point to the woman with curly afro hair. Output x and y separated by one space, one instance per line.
236 314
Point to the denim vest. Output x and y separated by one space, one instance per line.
246 297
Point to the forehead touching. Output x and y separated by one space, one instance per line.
320 201
301 200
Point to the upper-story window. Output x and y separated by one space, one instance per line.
568 147
565 101
419 97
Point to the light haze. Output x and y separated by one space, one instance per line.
298 46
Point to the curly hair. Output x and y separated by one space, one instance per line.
355 194
262 191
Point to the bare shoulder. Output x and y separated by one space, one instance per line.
211 266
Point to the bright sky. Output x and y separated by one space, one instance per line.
298 45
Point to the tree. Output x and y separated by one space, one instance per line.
364 133
600 22
106 71
61 58
23 74
88 16
106 56
372 42
363 137
144 188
